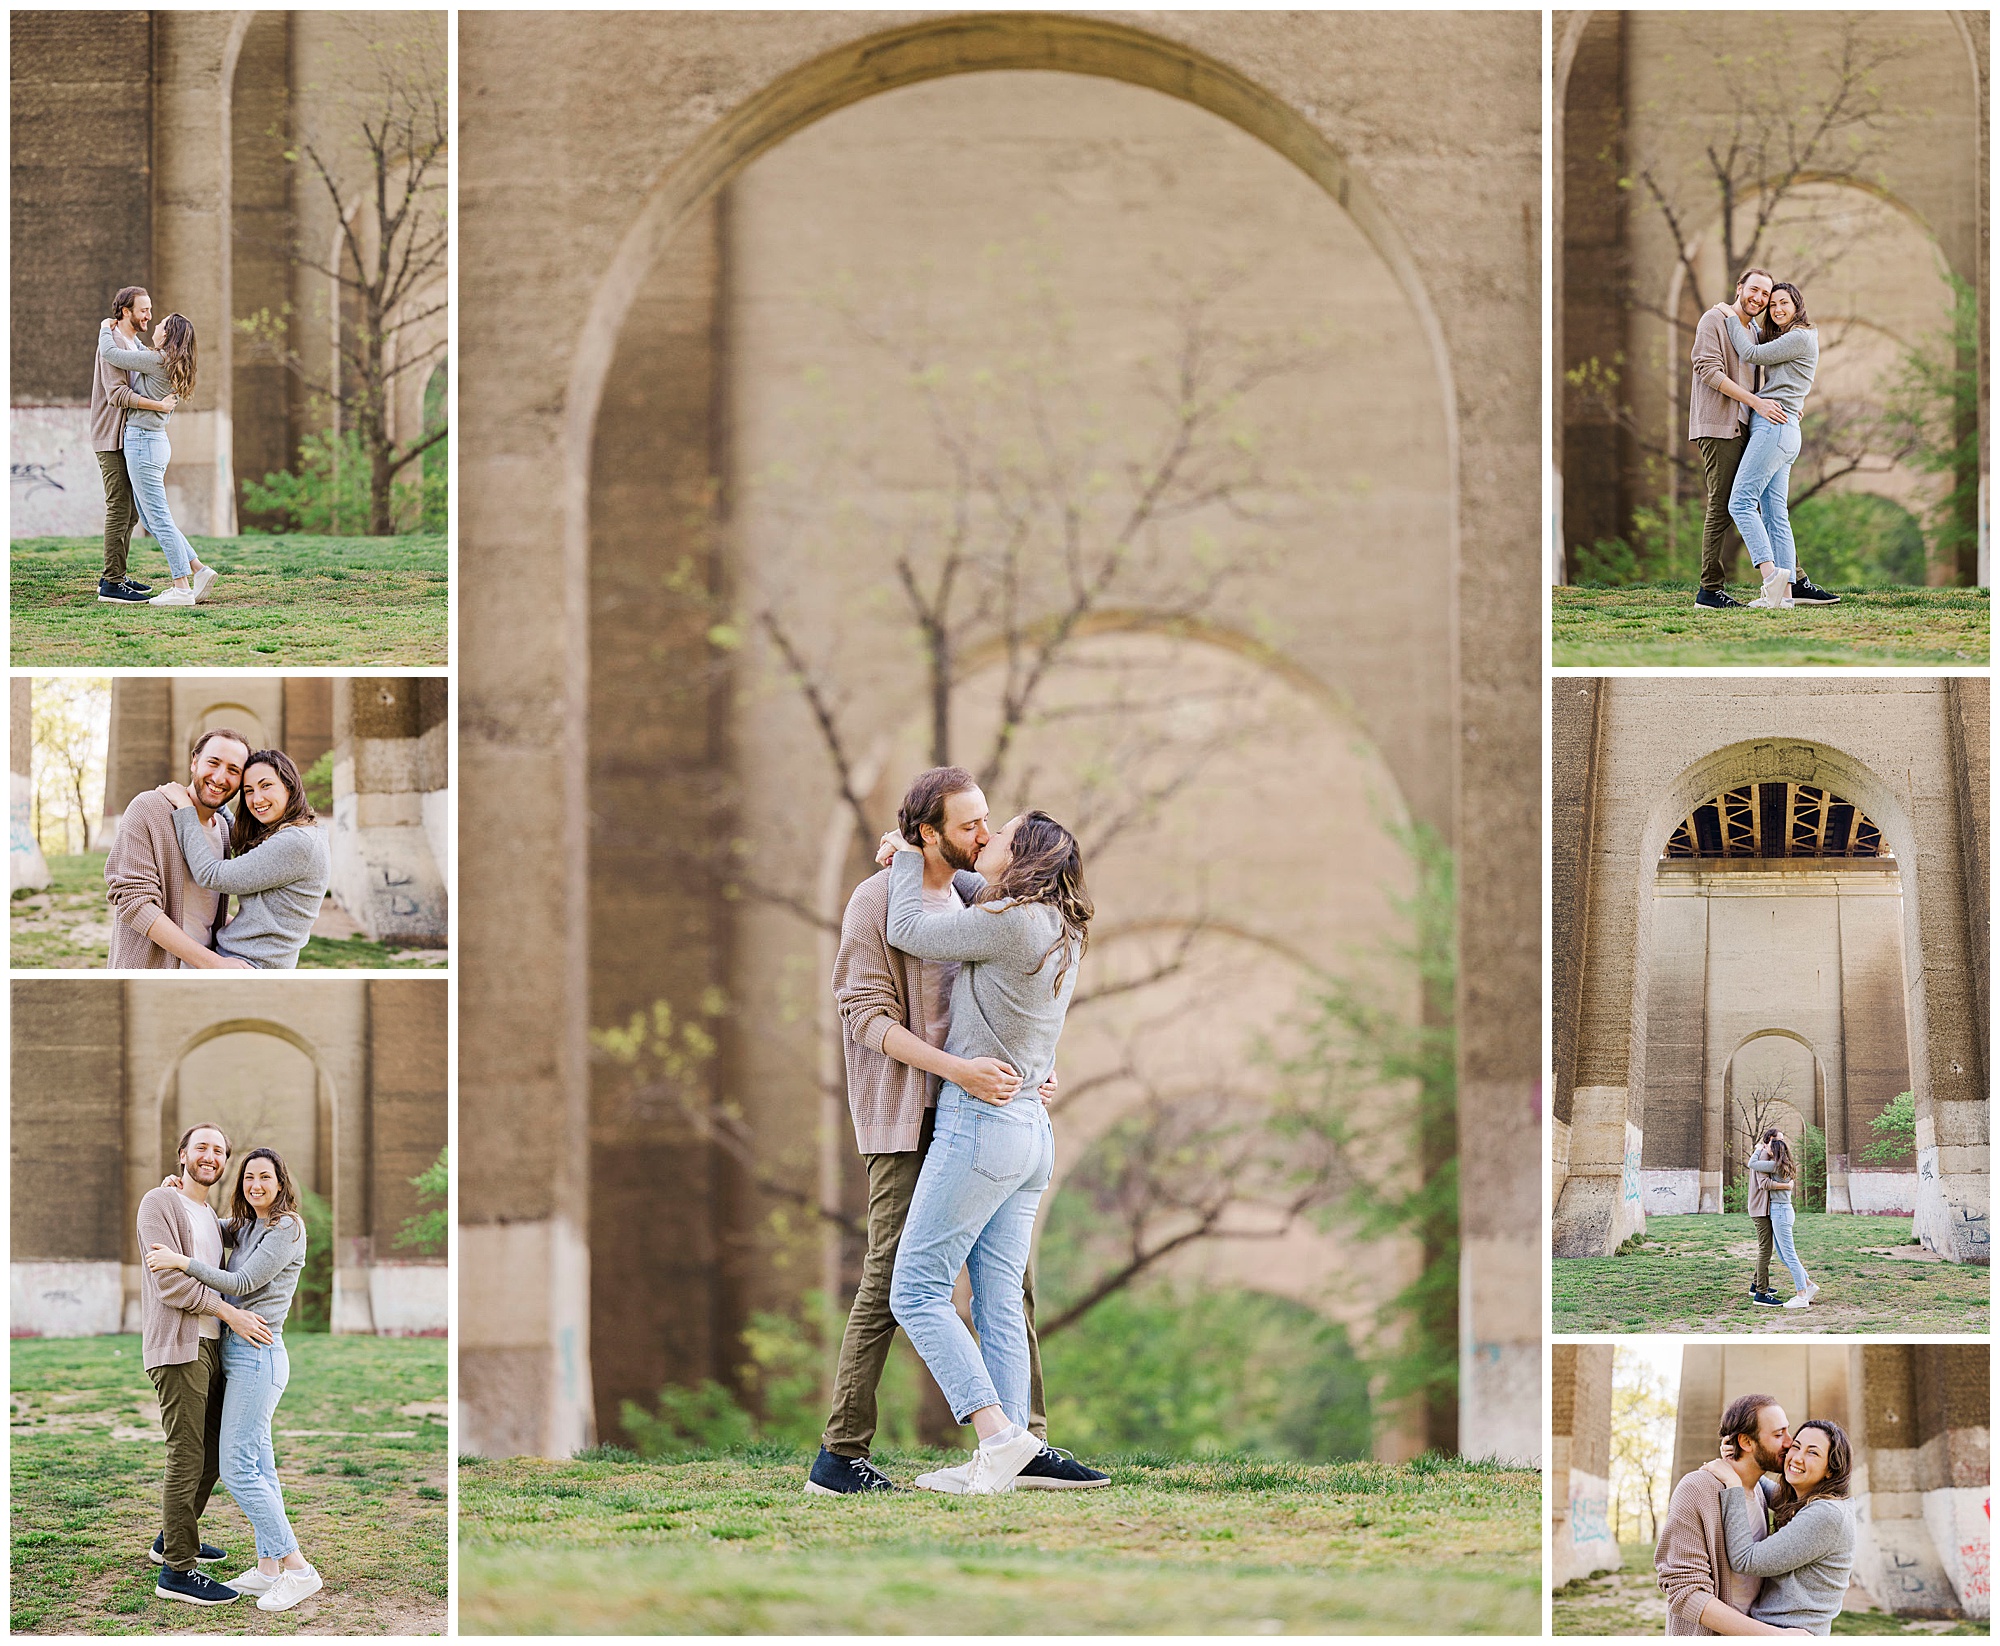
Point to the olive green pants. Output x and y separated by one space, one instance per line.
1720 459
1764 1244
864 1346
191 1413
120 515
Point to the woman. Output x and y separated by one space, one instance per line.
1787 348
165 374
266 1236
1805 1560
1777 1153
974 1207
276 868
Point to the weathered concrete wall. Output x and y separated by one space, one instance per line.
408 1117
1469 241
1580 1461
1885 744
390 768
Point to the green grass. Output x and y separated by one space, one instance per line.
277 602
1659 625
1692 1274
67 924
1629 1602
729 1545
365 1495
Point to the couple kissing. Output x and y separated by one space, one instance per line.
954 974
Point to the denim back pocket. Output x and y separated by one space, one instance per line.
1002 1147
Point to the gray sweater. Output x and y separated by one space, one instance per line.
1804 1565
1003 1004
279 884
262 1269
1789 361
152 369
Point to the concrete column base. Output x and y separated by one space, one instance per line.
1897 1561
1952 1200
27 869
353 1310
1500 1350
1711 1191
524 1339
1962 1534
53 1297
1592 1548
388 879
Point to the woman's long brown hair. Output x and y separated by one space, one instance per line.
242 1214
1047 867
1839 1463
1781 1151
176 335
246 831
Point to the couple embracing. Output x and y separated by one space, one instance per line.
180 854
1743 1554
214 1293
136 387
1754 362
955 970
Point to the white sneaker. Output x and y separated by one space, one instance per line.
994 1467
252 1582
289 1589
956 1480
173 597
203 576
1803 1300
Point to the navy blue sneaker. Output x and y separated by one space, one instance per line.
1717 600
158 1553
119 594
1768 1300
835 1476
1808 593
196 1588
1054 1470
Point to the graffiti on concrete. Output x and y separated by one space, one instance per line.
35 477
1589 1519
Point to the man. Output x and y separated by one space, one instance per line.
111 396
1705 1596
1721 396
182 1322
1759 1206
161 918
896 1013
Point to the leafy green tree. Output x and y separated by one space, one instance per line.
430 1230
1935 404
312 1303
1895 1130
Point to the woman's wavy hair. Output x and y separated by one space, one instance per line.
1047 867
1767 328
246 831
176 343
1839 1463
1781 1151
242 1215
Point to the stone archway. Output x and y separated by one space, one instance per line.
530 712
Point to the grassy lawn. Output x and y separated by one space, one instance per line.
1658 625
361 1444
1629 1602
68 924
1692 1274
729 1545
277 602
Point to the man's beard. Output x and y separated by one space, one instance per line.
962 861
213 1176
202 793
1772 1462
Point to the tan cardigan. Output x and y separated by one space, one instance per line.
110 394
171 1303
1692 1560
878 988
1710 411
146 877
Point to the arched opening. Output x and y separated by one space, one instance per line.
717 359
1778 917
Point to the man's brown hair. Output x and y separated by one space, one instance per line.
1745 275
229 732
1740 1418
180 1148
124 298
925 801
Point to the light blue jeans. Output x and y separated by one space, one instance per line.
1758 502
253 1380
974 1208
1782 1219
147 454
